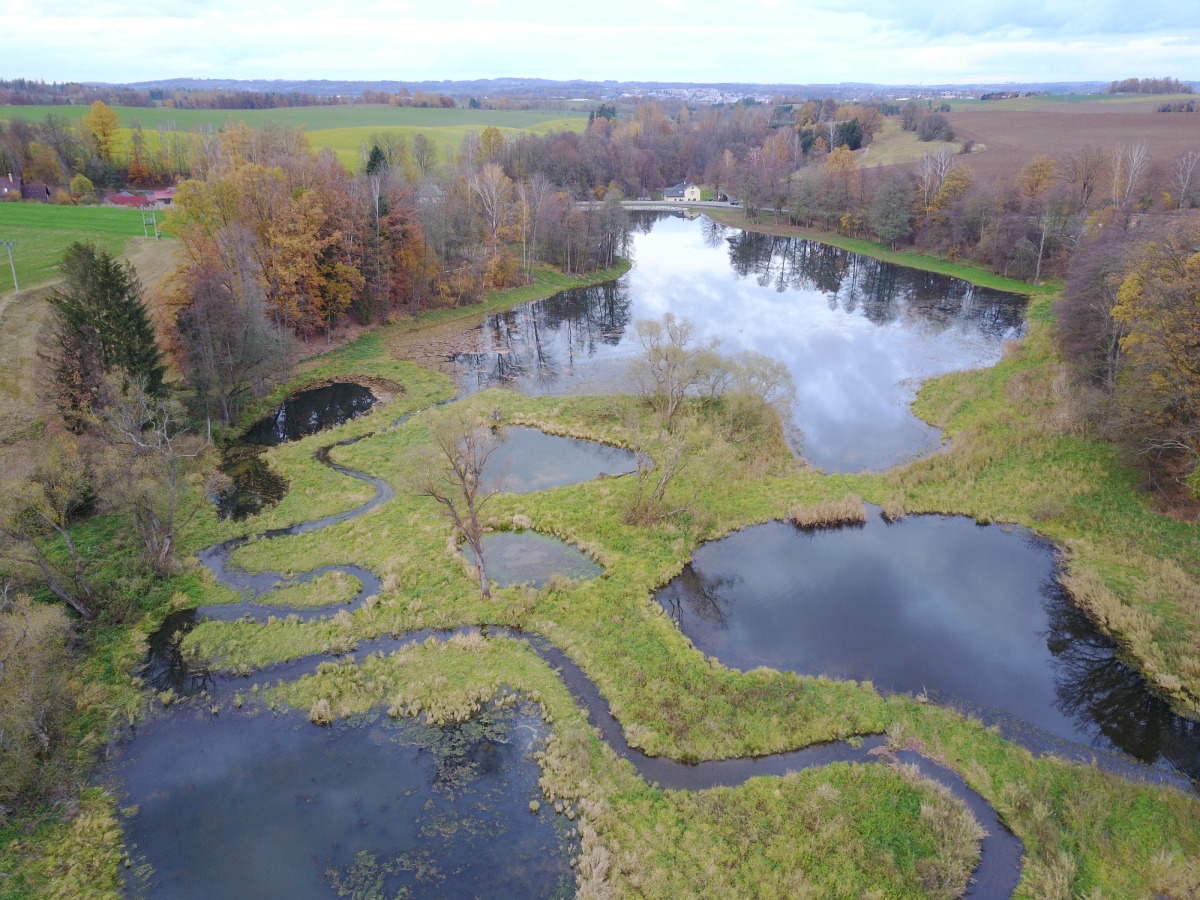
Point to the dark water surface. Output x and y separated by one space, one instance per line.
526 557
857 335
303 413
307 412
973 615
270 806
531 460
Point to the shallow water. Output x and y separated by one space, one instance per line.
526 557
270 806
857 335
307 412
972 615
531 460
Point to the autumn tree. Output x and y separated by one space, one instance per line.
98 127
491 142
1158 392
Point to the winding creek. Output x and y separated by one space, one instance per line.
968 615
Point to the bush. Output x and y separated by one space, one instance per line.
935 127
81 185
33 698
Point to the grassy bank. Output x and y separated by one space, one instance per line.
967 270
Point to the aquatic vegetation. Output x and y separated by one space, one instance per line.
324 590
847 511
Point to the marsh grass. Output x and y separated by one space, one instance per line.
324 590
829 514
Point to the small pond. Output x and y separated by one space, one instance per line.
972 615
307 412
254 485
858 335
270 806
531 460
526 557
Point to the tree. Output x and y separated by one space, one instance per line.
910 116
1159 390
376 160
454 478
100 325
1088 332
491 142
81 186
1036 177
99 127
424 153
888 215
673 364
935 127
1185 174
35 521
849 133
494 190
156 448
35 696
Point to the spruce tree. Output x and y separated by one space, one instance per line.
101 308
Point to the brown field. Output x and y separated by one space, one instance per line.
1013 138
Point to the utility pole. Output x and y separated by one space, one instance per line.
12 265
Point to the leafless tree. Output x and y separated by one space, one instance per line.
37 514
156 447
1185 172
494 190
1127 167
455 479
660 459
674 362
932 171
1083 172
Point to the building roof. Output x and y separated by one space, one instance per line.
125 198
676 191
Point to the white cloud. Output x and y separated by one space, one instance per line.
797 41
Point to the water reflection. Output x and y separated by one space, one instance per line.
974 616
268 806
527 557
857 334
531 460
308 412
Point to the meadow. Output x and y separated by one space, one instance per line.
342 128
43 232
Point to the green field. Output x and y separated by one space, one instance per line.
342 128
1024 104
43 232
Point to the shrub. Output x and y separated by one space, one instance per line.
935 127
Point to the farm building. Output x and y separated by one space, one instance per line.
10 187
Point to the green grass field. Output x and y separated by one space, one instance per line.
1023 104
43 232
342 128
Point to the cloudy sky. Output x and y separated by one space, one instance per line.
797 41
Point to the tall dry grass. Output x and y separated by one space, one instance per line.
830 513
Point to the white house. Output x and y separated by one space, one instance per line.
683 193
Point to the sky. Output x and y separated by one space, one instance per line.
767 41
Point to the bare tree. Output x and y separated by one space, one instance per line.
37 514
494 190
539 189
1083 172
932 171
455 478
660 459
1127 167
674 362
1185 172
159 447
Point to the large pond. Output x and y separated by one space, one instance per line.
970 615
858 335
269 806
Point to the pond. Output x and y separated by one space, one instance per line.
531 460
267 805
253 484
307 412
973 616
526 557
858 335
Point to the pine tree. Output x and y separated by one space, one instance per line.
376 160
100 308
